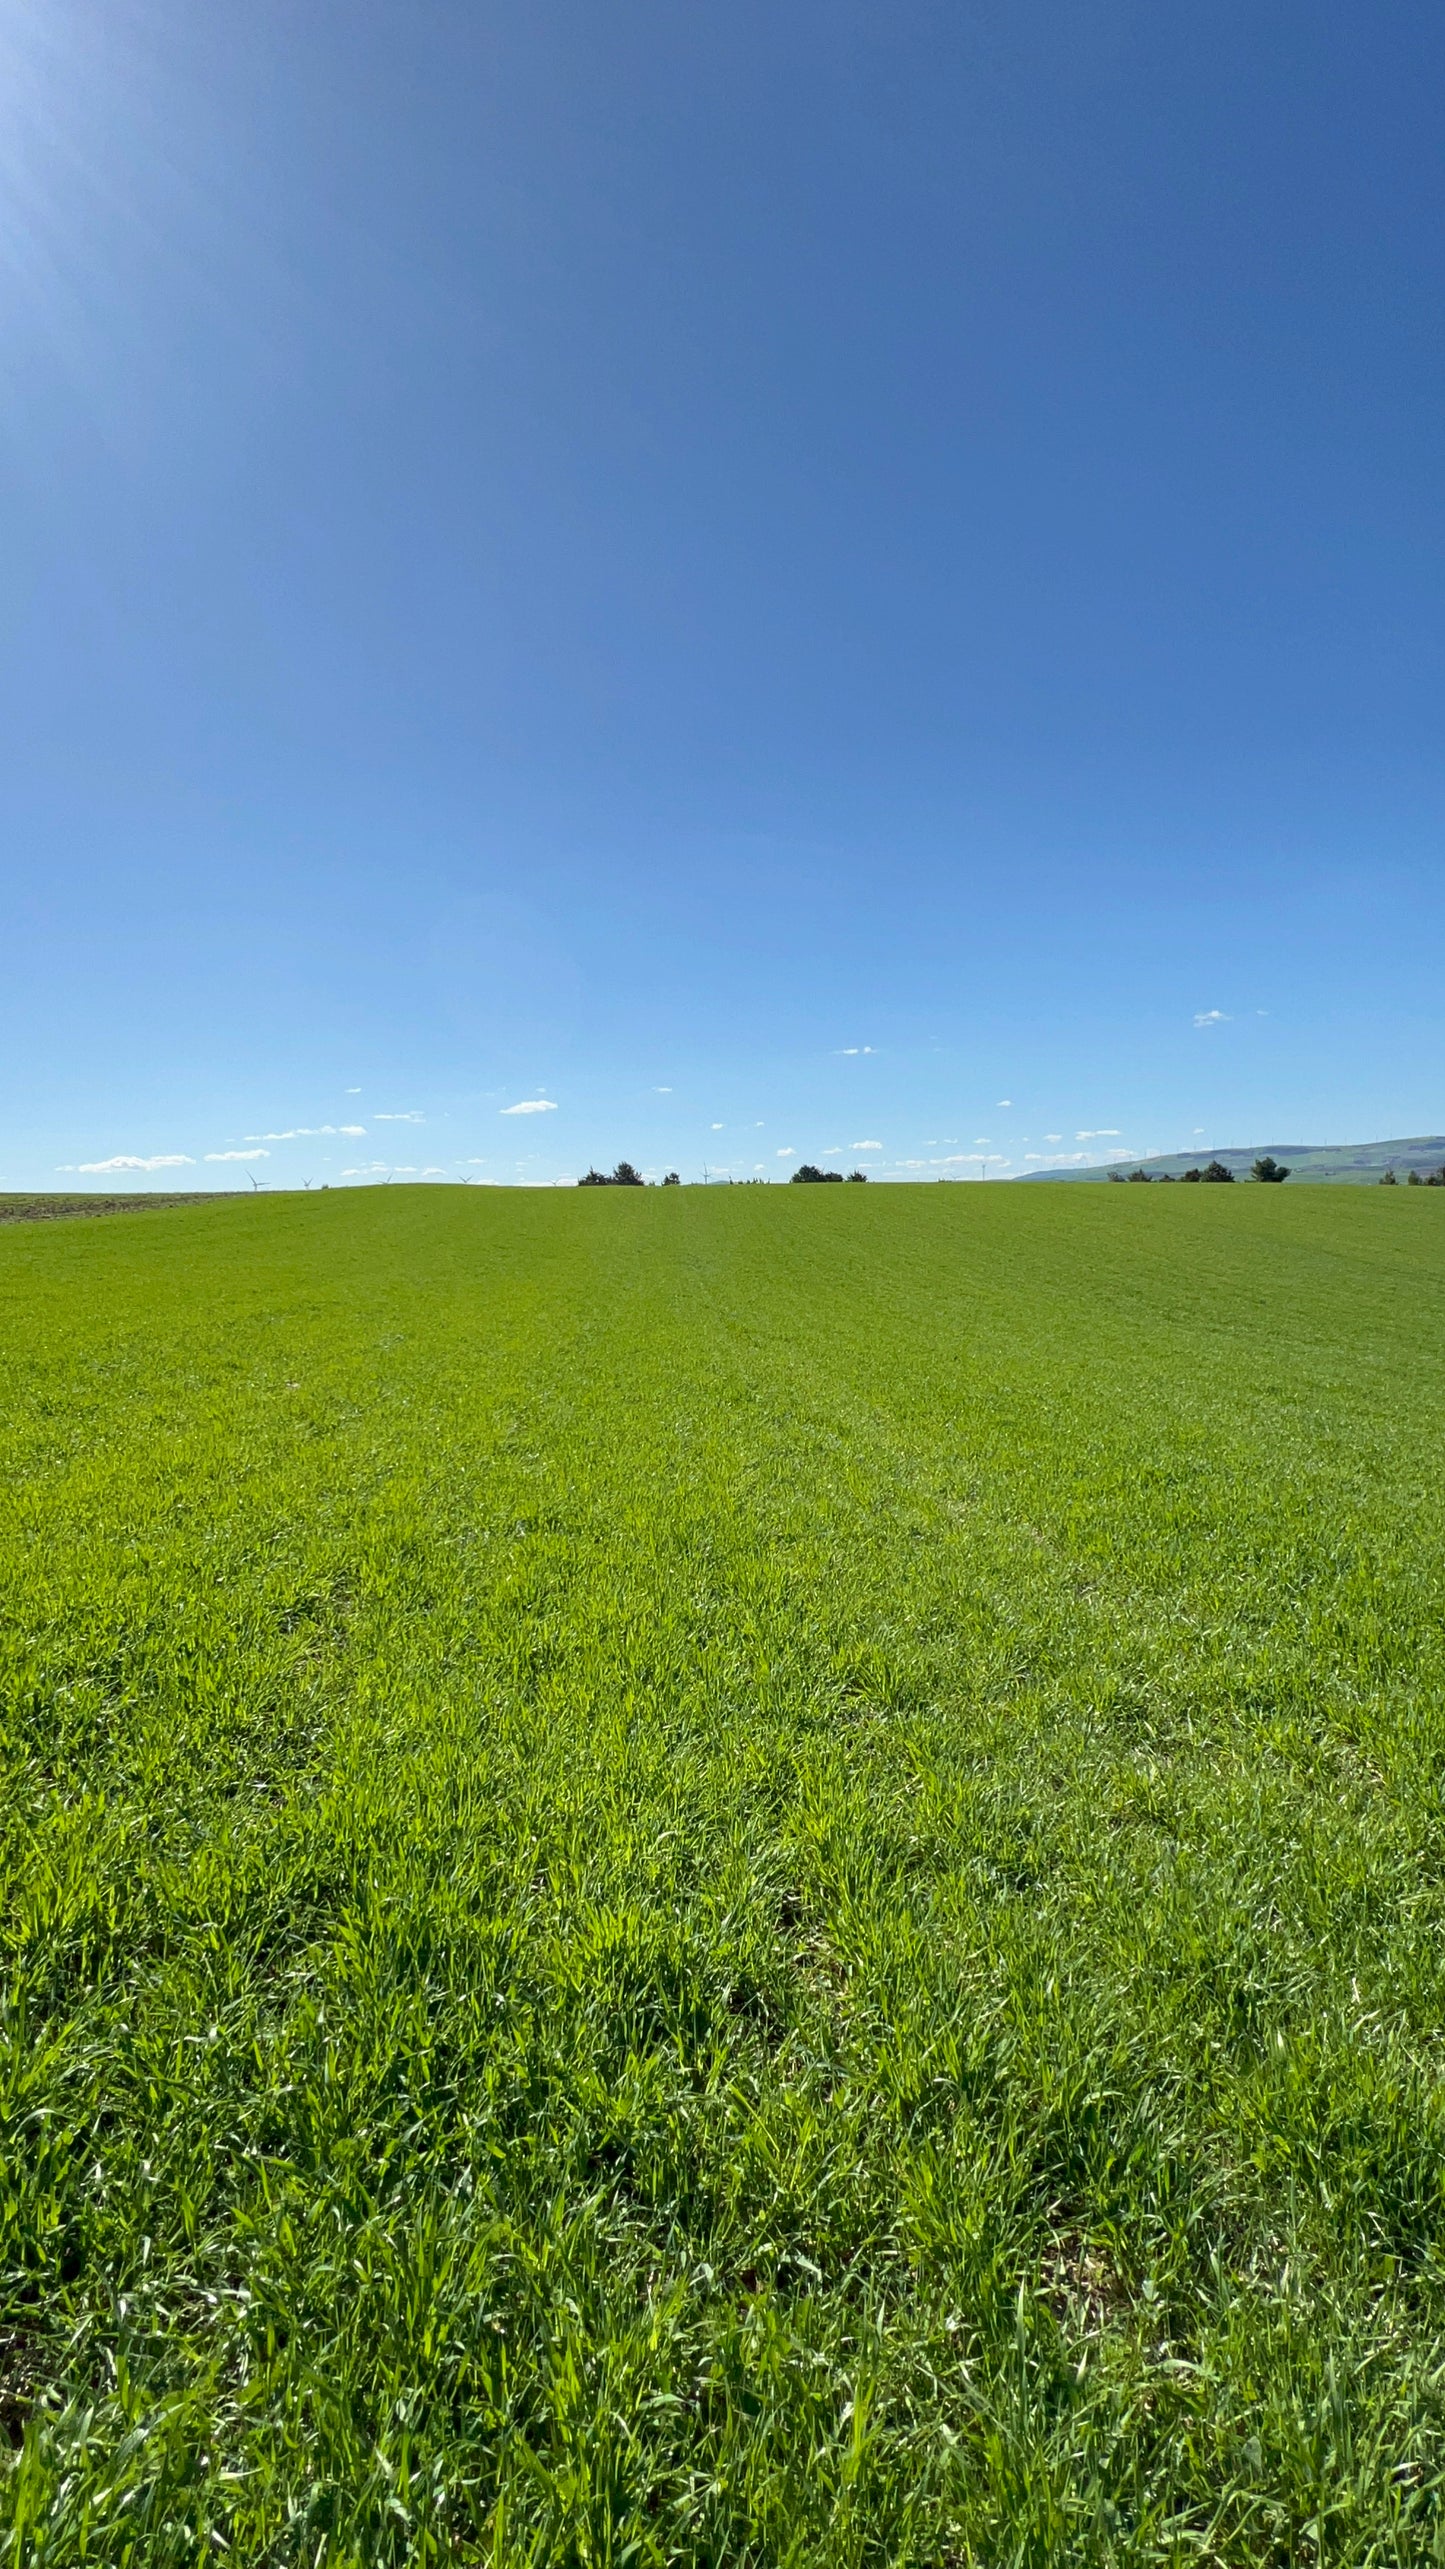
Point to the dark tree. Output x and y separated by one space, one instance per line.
807 1175
1191 1177
594 1177
626 1175
1217 1174
1389 1178
859 1177
672 1178
1269 1171
1139 1177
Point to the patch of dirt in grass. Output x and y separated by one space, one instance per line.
22 2378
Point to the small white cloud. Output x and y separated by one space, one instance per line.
1210 1017
1105 1133
238 1155
353 1132
1053 1137
524 1106
126 1160
787 1152
714 1128
662 1092
433 1172
1198 1129
1005 1101
308 1133
353 1092
865 1146
410 1116
981 1142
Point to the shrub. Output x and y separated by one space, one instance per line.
1139 1177
1269 1171
1389 1178
623 1175
672 1178
1414 1178
1216 1174
859 1177
807 1175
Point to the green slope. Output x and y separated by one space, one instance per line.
1354 1163
738 1877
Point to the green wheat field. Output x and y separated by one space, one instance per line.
737 1876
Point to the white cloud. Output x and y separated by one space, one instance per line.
524 1106
238 1155
410 1116
1210 1017
1058 1159
662 1092
787 1152
353 1092
433 1172
1105 1133
126 1160
1005 1101
981 1142
714 1128
1198 1129
1053 1137
865 1146
310 1133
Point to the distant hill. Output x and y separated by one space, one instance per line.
52 1208
1352 1163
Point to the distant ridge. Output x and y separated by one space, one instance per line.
1353 1163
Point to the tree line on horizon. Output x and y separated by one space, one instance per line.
1267 1171
626 1175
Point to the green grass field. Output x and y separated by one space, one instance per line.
725 1877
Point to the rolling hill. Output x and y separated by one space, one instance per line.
1352 1163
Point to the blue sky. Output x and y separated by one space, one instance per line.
753 582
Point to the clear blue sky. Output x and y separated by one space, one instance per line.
774 576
